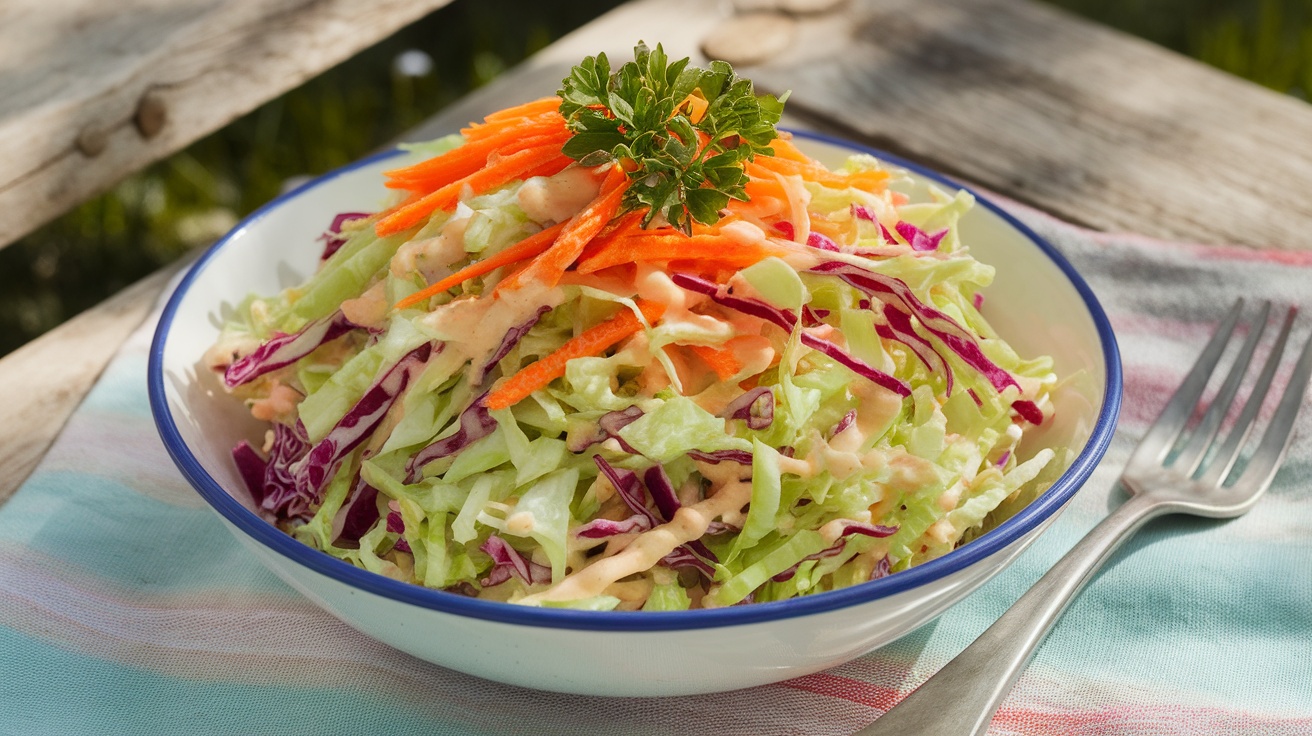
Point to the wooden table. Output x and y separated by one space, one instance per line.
1086 123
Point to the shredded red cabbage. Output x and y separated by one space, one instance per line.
252 469
626 484
333 240
508 343
602 528
785 229
282 350
855 527
813 317
507 562
848 420
756 407
823 242
1029 411
742 457
918 239
898 328
475 424
280 495
856 365
940 325
360 421
358 514
882 569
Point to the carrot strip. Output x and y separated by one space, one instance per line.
579 231
524 249
872 181
471 156
592 341
722 361
719 249
785 148
505 170
528 109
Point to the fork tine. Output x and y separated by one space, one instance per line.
1266 459
1191 456
1225 457
1159 438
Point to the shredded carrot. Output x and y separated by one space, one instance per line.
579 231
697 106
871 181
621 226
504 170
593 341
470 156
528 109
723 361
785 148
643 247
524 249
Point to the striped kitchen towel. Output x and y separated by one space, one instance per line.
126 607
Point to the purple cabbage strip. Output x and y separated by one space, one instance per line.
848 420
823 242
360 421
608 427
667 503
684 557
281 496
508 562
475 424
831 551
862 212
662 491
360 513
602 528
1029 411
854 527
508 343
742 457
882 569
252 469
940 325
918 239
785 228
813 317
899 328
283 350
755 406
783 318
333 240
626 484
396 525
786 320
975 396
1002 460
858 366
978 300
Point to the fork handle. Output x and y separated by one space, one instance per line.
963 696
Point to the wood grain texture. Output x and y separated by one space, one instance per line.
42 382
1090 124
91 91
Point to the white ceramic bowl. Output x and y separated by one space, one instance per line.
1038 303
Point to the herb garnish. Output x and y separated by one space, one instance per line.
653 117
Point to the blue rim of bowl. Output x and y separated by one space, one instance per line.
959 559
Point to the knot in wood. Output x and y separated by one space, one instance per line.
152 114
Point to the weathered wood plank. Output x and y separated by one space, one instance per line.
42 382
92 91
1090 124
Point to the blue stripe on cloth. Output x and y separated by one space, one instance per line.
82 518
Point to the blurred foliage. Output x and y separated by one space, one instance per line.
193 197
189 199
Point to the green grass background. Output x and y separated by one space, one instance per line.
194 196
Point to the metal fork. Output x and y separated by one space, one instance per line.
963 696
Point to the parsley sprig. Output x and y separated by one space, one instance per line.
641 116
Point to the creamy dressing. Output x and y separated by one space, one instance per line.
689 523
279 404
370 309
552 199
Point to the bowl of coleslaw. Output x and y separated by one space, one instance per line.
666 472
